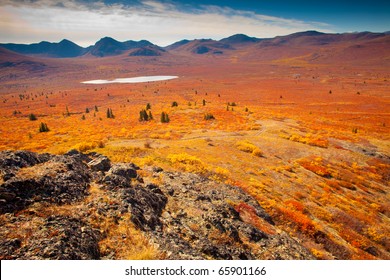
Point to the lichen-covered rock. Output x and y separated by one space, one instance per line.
62 179
11 162
120 175
100 163
186 216
146 205
207 220
61 238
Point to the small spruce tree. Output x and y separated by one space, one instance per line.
110 115
32 117
143 115
43 127
164 117
67 111
208 116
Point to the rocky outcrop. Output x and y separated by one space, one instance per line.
60 179
58 238
120 175
185 215
204 219
100 163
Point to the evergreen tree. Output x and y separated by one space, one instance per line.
164 117
148 106
208 116
86 110
204 102
43 127
32 117
110 115
150 116
143 115
175 104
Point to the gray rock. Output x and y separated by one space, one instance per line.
120 175
100 163
62 238
62 179
187 216
146 206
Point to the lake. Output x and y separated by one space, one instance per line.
142 79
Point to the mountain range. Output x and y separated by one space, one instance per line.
110 47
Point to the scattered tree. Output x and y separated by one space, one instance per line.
174 104
204 102
164 117
32 117
143 115
148 106
86 110
110 115
43 127
209 116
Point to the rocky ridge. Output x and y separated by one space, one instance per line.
184 215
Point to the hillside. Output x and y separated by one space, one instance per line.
63 49
258 149
79 205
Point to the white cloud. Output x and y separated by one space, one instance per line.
162 24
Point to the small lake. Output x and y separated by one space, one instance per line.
142 79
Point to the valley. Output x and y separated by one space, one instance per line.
300 123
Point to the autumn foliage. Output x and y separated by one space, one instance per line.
318 163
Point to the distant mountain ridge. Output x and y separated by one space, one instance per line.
108 46
65 48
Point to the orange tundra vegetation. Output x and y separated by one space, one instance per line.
318 162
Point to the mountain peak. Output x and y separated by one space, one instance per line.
309 33
239 39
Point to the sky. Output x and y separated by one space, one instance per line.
164 22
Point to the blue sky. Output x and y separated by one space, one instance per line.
166 21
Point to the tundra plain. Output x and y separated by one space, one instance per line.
302 127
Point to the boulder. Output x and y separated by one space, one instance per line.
120 175
62 238
100 163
